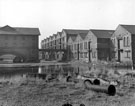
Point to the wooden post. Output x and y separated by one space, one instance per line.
89 51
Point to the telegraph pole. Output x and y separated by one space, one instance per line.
78 50
89 51
60 43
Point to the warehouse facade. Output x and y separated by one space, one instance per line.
19 44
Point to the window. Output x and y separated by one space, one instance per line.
94 54
85 45
71 47
74 46
81 46
55 42
63 39
45 46
85 55
60 41
126 42
81 55
76 55
128 54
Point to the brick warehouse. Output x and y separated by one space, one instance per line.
18 44
124 40
100 45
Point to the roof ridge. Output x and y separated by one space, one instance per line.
19 30
74 29
101 30
129 28
73 37
102 33
126 25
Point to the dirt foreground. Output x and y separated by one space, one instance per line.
38 92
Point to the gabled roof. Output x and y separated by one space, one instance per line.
73 38
47 38
83 35
75 31
102 33
59 33
55 35
51 37
129 28
19 30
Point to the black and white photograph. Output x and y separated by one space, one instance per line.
67 52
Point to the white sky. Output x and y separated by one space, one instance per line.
51 16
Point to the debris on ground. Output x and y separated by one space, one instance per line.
30 91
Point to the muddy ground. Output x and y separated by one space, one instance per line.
30 91
37 92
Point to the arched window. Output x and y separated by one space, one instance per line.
124 41
127 41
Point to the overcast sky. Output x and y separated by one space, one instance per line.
51 16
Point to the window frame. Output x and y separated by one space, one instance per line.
94 54
126 41
127 54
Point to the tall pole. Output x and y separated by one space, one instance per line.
89 51
67 51
118 50
78 50
55 44
132 52
60 43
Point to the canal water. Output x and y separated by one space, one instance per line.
16 73
53 71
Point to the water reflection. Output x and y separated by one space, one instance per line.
49 71
10 73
